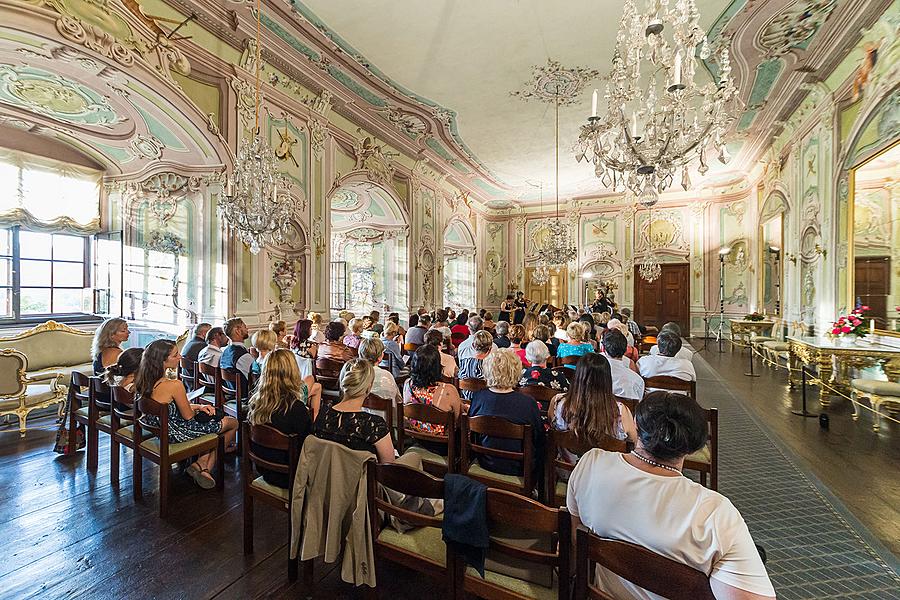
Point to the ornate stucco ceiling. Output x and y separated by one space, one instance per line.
480 66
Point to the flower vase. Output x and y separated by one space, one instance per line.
847 340
863 340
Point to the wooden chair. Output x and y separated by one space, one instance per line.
189 374
706 460
122 426
568 360
421 549
497 427
99 407
642 567
210 377
541 394
631 403
671 384
158 450
554 489
79 407
410 348
328 372
451 380
386 406
471 385
511 513
236 393
427 413
257 488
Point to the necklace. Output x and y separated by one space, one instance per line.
653 463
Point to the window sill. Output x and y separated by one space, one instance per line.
68 319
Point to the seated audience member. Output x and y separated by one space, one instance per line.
280 401
561 320
152 382
626 383
346 422
192 348
590 408
636 330
413 321
667 361
215 341
384 385
441 322
631 353
448 364
465 349
590 329
501 337
517 336
529 324
263 342
347 316
318 328
107 344
539 373
121 373
460 329
424 386
488 321
602 320
502 369
395 319
279 328
392 341
416 333
471 368
643 498
685 352
352 339
576 346
543 333
235 355
333 348
375 322
305 350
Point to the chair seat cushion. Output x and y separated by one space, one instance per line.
422 541
428 456
83 412
762 338
477 471
152 445
128 432
562 488
875 386
519 586
272 490
35 395
777 346
700 456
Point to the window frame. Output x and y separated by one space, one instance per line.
16 288
340 296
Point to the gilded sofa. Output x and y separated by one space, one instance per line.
37 367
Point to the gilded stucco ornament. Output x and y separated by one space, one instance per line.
318 136
554 81
372 158
794 26
55 96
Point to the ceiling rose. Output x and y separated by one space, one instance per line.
552 82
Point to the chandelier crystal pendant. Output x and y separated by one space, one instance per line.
251 206
558 249
658 119
650 269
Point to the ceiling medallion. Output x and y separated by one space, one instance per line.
795 25
658 119
552 82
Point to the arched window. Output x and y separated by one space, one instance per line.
459 266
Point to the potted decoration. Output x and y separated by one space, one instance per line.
850 328
755 316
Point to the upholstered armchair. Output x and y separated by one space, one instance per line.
19 395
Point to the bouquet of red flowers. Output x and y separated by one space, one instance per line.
851 324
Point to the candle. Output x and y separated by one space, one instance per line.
677 68
594 104
871 325
275 192
634 124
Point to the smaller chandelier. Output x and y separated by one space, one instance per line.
650 269
558 249
541 273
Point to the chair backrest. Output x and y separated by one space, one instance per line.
13 365
631 403
189 373
428 413
405 480
236 380
540 393
642 567
471 385
569 441
328 371
267 436
507 510
497 427
384 405
82 386
122 402
569 360
149 406
451 380
100 395
409 347
674 384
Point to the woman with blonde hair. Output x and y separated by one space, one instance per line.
318 327
346 422
107 344
392 341
577 345
279 328
502 369
561 320
352 339
281 401
263 341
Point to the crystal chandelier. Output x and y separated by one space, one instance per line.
541 273
658 119
650 269
558 249
251 206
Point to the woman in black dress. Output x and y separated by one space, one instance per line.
506 308
521 306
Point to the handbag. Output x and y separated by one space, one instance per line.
202 417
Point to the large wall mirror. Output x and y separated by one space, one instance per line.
771 255
875 241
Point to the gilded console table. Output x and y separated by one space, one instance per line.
746 330
833 359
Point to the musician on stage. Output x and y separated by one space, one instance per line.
520 306
602 304
506 308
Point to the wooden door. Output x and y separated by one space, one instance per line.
553 292
664 299
871 284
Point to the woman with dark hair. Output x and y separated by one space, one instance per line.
154 382
121 373
590 335
436 339
301 343
642 498
333 347
589 408
413 321
506 308
424 386
460 330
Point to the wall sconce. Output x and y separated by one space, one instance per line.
823 252
320 247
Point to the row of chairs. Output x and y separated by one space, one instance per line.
423 550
